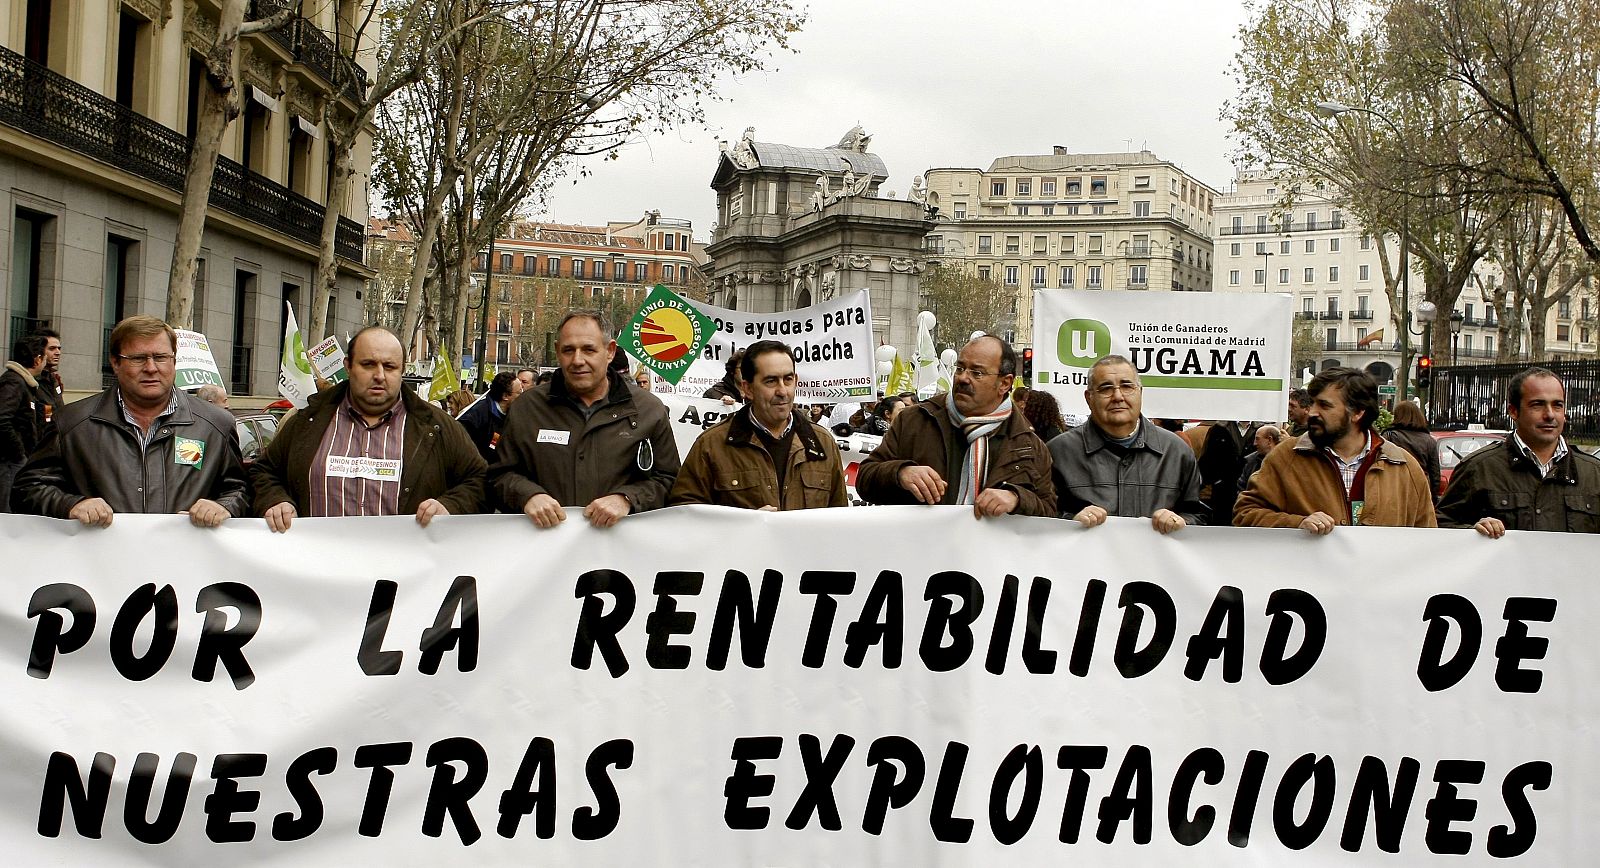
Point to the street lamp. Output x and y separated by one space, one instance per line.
1266 270
1456 321
1332 109
1427 312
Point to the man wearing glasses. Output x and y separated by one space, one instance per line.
1120 463
966 447
139 446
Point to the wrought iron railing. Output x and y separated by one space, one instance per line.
22 326
311 47
51 106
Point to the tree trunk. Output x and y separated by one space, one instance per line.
219 105
431 220
327 280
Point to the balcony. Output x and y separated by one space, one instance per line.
1331 315
1139 251
1306 314
55 108
1361 316
312 48
1284 228
1094 284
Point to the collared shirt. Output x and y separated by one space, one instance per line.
357 468
1347 469
1544 468
147 434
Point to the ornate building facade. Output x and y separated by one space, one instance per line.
797 226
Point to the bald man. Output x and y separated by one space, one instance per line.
368 446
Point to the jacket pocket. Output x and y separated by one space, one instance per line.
1511 507
1583 513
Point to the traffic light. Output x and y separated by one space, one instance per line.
1424 371
1027 365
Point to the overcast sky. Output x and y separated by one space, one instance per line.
946 83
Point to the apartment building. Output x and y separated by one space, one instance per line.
1074 221
538 271
98 103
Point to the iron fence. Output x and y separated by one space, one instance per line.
1476 395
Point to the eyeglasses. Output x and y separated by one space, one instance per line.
975 373
1106 390
139 360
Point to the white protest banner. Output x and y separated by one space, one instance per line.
328 360
1200 355
294 370
196 366
895 686
832 344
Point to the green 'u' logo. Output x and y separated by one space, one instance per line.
1080 342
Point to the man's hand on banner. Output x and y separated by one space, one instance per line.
280 516
92 511
1491 527
206 513
1091 516
428 509
1166 521
1319 523
994 501
607 511
544 510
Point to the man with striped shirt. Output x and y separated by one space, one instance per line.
369 447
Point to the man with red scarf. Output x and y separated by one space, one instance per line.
1339 472
965 447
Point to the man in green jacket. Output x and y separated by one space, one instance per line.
1531 480
588 438
368 446
767 455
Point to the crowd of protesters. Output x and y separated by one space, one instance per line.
590 437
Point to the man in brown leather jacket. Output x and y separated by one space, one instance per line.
767 455
965 447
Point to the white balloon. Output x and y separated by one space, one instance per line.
948 357
885 367
886 353
927 320
977 334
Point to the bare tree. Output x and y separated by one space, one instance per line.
219 105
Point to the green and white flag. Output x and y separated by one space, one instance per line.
294 369
666 334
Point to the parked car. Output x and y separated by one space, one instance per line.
1456 445
256 429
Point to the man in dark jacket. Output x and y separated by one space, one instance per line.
23 399
1221 459
139 446
587 438
369 446
1531 480
966 447
1119 463
485 419
767 455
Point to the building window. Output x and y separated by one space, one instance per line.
1137 275
1283 248
1261 222
983 272
1233 249
1238 225
1366 242
1095 242
961 210
1364 272
1261 277
505 263
1074 187
1361 303
1283 275
552 266
1261 248
1094 277
1141 182
1563 332
1022 210
1233 277
1012 272
1038 277
669 273
1141 209
1047 210
669 241
640 272
619 270
1067 276
529 264
1047 187
1024 186
1361 335
1333 245
1097 209
1069 244
1311 221
1311 245
1041 244
1333 274
1335 220
997 187
1332 339
1013 245
985 244
1488 345
1307 305
577 269
1072 210
1097 186
1310 275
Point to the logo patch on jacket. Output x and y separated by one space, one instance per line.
190 452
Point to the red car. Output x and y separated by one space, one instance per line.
1456 445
